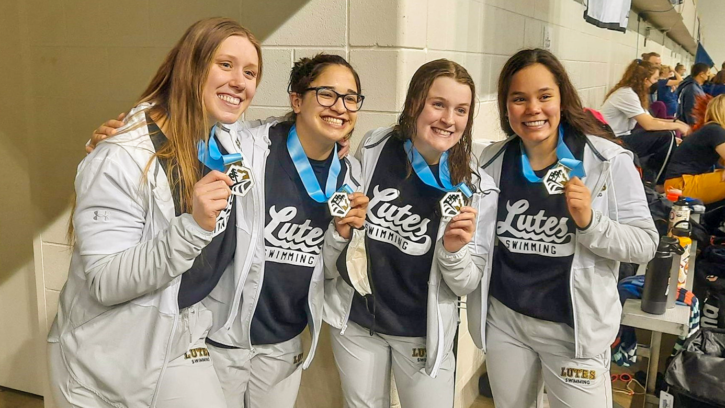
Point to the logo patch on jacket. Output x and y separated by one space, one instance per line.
534 234
395 225
290 243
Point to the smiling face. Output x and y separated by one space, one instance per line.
326 124
232 80
534 104
443 119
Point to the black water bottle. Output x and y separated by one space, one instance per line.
657 277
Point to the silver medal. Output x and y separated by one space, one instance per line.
451 204
339 204
556 178
242 178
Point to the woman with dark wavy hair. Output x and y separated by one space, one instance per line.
397 306
570 209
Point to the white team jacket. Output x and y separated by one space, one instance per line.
234 300
118 320
622 230
451 274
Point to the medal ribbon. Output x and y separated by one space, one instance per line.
426 175
562 153
212 157
304 169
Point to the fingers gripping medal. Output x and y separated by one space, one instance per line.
339 204
455 197
213 158
556 178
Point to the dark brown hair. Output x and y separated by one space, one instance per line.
572 111
307 70
634 77
459 156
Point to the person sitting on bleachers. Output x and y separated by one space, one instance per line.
691 166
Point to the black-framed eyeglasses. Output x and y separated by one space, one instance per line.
327 97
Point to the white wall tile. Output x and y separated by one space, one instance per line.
297 23
367 121
272 91
56 261
456 25
385 75
388 23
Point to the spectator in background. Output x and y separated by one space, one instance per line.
691 167
656 60
717 85
689 89
680 69
666 87
626 105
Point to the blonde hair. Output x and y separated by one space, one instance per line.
715 112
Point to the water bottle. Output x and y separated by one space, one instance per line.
657 277
680 212
681 231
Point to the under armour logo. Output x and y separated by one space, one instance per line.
100 216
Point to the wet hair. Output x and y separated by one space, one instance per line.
572 111
634 77
459 156
647 55
306 70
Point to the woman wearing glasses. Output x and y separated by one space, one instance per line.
420 253
276 287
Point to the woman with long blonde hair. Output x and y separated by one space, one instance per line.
691 168
150 207
627 104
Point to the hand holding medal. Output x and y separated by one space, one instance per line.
355 216
579 202
240 175
460 230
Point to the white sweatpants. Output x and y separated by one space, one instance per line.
524 354
189 381
264 377
364 363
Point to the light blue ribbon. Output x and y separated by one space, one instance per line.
213 158
426 175
304 169
562 153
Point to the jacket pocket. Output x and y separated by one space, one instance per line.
120 354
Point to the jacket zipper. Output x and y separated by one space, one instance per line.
261 281
597 189
247 261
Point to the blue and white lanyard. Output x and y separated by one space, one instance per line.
212 157
304 169
426 175
563 154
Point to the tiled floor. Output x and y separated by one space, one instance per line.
16 399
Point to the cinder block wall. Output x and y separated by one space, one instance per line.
79 63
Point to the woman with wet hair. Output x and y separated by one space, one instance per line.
393 305
130 329
570 209
627 104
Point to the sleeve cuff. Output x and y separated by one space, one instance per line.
188 222
596 218
452 257
335 235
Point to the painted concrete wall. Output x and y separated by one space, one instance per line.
712 18
74 64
